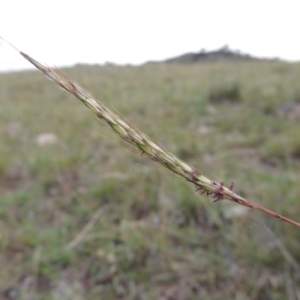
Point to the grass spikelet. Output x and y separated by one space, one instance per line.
149 148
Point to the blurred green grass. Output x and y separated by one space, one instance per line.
150 235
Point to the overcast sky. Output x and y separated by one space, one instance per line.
64 32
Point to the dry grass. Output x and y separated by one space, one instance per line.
72 225
149 148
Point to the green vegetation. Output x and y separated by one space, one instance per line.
225 93
83 219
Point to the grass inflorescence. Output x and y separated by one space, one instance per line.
83 218
203 184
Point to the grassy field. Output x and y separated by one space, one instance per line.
86 217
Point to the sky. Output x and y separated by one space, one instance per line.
63 32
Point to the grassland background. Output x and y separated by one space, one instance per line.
151 235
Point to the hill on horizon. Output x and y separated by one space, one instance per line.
222 54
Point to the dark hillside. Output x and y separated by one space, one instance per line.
222 54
